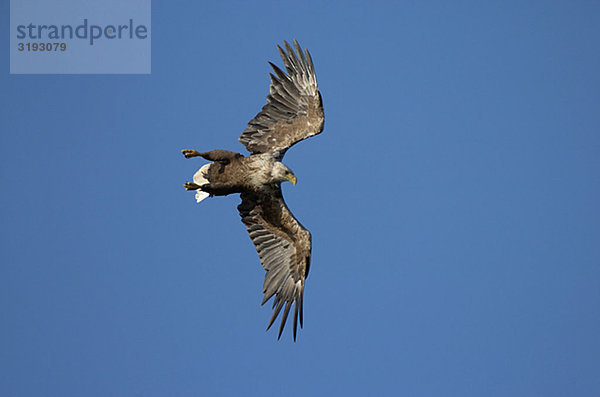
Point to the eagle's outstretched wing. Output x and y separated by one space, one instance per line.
283 245
294 109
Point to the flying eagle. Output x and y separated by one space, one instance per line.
294 111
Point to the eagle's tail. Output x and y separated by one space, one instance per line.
201 179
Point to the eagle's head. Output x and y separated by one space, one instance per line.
282 173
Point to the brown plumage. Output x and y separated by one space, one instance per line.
294 111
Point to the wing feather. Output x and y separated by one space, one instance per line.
283 246
294 109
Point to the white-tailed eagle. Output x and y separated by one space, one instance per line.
294 111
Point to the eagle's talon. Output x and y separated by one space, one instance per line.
189 153
191 186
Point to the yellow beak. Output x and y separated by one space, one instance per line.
292 178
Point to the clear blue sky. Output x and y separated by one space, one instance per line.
453 200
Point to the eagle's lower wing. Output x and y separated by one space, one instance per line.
294 109
283 245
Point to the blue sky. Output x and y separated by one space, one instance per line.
453 201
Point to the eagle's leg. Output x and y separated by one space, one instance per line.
222 156
188 153
194 186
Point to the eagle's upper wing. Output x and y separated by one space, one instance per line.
294 109
283 245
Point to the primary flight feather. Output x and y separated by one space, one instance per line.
294 111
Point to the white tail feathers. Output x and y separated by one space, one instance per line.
200 179
200 175
201 195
